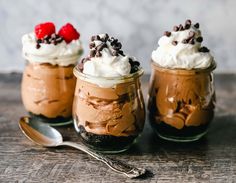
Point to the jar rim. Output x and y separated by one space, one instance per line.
136 74
183 71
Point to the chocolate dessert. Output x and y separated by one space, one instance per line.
181 95
48 82
108 106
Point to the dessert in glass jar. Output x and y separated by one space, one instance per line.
48 82
181 97
108 109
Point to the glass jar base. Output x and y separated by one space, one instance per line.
58 121
186 134
105 143
181 139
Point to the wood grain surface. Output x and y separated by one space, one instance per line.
212 159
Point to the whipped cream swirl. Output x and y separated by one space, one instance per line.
62 54
106 63
176 51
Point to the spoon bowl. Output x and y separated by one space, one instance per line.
47 136
40 133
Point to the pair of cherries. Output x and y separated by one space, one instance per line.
67 32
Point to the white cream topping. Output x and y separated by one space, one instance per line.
183 56
107 66
62 54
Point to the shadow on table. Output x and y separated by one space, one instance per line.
221 133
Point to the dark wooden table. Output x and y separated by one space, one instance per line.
212 159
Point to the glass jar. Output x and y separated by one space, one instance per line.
181 102
108 113
47 91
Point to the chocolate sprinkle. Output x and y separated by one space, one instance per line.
196 25
181 28
204 49
199 39
49 39
113 46
175 28
167 33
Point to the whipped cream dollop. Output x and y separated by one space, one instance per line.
182 49
62 54
107 60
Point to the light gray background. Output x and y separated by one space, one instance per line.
137 23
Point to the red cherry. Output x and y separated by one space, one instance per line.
44 29
69 33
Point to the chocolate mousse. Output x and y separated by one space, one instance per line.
108 106
48 82
181 96
48 90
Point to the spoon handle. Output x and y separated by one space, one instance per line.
116 165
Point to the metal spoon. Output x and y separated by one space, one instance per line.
47 136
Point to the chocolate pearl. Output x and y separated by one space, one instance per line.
197 25
204 49
199 39
174 43
91 45
191 34
38 46
167 33
185 41
175 28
